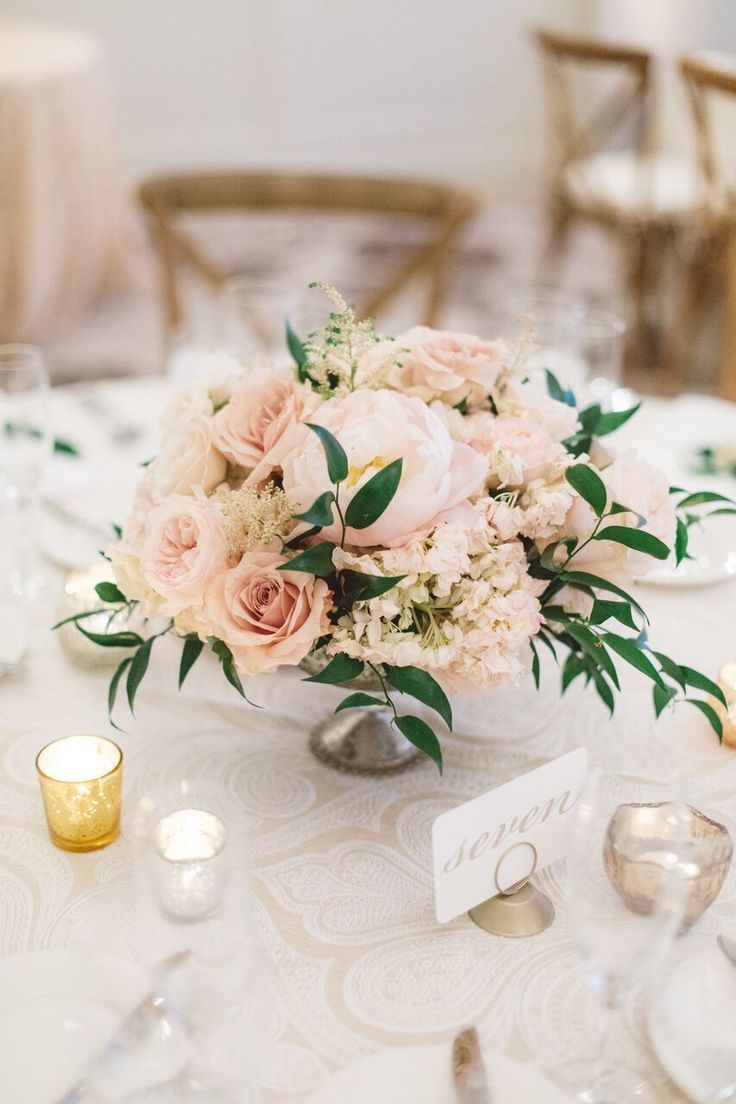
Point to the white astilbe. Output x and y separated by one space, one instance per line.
254 518
334 352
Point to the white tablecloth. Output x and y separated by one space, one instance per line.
66 229
341 866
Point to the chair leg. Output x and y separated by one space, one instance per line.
727 381
697 285
559 224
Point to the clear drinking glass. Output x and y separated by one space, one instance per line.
548 320
600 340
621 948
254 316
24 448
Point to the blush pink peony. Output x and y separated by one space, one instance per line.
439 364
267 617
375 428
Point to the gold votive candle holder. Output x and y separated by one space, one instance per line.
80 778
190 863
727 683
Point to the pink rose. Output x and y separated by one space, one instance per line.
183 548
260 413
438 364
634 483
375 428
187 459
530 398
521 440
267 617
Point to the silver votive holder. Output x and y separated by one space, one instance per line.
189 863
79 596
646 844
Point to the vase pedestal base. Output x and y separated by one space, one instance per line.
363 742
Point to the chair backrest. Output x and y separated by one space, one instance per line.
709 77
165 198
615 111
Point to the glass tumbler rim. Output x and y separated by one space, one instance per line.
80 781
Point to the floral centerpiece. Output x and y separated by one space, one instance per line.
415 507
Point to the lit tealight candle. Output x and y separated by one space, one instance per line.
727 683
190 866
80 778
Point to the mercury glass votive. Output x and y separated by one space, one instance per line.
647 843
80 596
80 778
190 863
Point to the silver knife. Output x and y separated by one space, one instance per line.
728 946
468 1071
132 1031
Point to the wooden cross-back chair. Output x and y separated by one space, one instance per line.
444 208
603 168
713 254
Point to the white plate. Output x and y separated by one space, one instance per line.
406 1075
57 1011
713 548
692 1024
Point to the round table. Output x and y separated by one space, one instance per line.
340 866
66 228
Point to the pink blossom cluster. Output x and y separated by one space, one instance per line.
482 491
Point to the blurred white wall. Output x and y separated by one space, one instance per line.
446 88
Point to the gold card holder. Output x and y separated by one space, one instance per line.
518 910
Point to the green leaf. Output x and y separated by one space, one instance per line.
231 674
113 640
700 498
115 682
337 461
709 712
116 530
612 420
296 348
108 592
358 587
358 701
589 486
556 391
670 668
65 448
591 644
682 538
421 736
189 655
220 648
373 497
662 696
629 650
319 513
604 690
341 668
585 579
589 418
574 667
422 686
702 682
604 610
138 668
535 664
316 560
77 617
638 539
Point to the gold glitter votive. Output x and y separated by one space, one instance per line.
80 778
727 683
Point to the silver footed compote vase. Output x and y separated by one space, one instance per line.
363 740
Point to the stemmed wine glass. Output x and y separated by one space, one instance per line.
622 947
24 447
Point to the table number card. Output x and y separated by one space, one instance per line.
490 843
